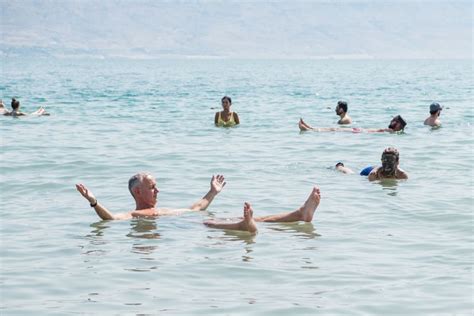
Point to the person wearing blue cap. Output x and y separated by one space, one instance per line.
435 111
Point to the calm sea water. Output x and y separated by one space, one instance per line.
401 248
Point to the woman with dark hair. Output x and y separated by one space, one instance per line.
226 117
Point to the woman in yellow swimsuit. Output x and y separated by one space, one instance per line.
226 117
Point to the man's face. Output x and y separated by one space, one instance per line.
389 163
395 124
148 192
338 110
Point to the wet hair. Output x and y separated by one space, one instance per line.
434 112
391 151
342 105
339 164
227 98
15 104
137 180
401 120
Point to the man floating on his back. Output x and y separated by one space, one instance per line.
143 189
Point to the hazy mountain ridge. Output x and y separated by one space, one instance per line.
397 29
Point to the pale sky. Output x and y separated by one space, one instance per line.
252 29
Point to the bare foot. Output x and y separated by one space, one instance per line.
302 125
309 207
246 224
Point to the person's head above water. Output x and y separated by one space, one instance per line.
341 107
435 108
15 104
339 164
226 102
397 123
390 159
142 187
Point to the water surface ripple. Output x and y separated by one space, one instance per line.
382 249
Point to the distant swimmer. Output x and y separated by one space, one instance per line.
3 110
226 117
435 111
341 110
397 124
341 168
143 189
248 222
16 110
389 169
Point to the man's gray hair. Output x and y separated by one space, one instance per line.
137 180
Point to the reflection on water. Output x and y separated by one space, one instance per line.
143 228
246 257
304 230
389 185
95 238
236 235
98 229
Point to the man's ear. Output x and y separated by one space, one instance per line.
136 191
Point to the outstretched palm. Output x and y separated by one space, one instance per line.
217 183
85 192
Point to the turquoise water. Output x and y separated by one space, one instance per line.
401 248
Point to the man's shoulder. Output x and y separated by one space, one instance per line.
374 174
345 121
402 174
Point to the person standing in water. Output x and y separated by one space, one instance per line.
435 112
226 117
389 169
341 110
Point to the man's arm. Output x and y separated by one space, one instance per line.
217 184
379 130
103 213
373 175
149 212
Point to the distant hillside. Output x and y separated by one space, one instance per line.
316 29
